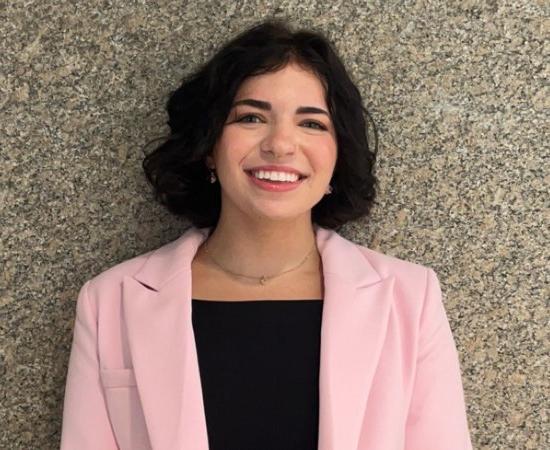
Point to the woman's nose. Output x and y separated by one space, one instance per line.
280 140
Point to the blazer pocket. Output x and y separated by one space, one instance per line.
125 409
113 378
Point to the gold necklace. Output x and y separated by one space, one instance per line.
263 279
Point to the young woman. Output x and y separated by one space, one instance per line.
261 327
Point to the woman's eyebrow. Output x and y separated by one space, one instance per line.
260 104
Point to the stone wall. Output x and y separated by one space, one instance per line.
456 88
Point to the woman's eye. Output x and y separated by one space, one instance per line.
317 125
248 116
253 118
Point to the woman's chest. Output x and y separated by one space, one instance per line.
212 284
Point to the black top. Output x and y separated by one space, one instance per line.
259 365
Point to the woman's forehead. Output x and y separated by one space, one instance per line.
291 82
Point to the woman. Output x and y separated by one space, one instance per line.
261 327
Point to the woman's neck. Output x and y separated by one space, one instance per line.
257 250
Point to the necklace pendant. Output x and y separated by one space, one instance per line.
263 280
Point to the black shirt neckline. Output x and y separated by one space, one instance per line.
301 300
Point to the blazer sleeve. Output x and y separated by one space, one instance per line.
86 424
437 415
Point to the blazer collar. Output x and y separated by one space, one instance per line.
157 313
335 250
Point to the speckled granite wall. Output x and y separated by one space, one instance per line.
456 88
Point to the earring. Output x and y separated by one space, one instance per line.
329 189
212 176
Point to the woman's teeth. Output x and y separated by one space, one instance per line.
277 177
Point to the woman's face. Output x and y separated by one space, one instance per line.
270 125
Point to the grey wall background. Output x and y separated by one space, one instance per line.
456 87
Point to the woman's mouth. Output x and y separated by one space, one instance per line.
275 185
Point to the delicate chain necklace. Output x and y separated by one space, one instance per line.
263 279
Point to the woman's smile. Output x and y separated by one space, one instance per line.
275 185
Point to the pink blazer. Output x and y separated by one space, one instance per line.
389 371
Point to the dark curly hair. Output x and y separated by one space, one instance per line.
199 108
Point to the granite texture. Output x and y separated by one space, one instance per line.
456 87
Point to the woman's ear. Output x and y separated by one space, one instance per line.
209 161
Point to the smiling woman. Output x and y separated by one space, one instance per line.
261 327
284 104
271 78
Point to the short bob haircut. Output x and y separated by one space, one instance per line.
198 109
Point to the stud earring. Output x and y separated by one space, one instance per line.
212 176
329 189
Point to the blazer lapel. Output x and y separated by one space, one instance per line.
356 308
157 309
157 313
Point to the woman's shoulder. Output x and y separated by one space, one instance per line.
416 286
114 274
411 280
383 263
406 273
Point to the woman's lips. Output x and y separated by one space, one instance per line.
273 186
